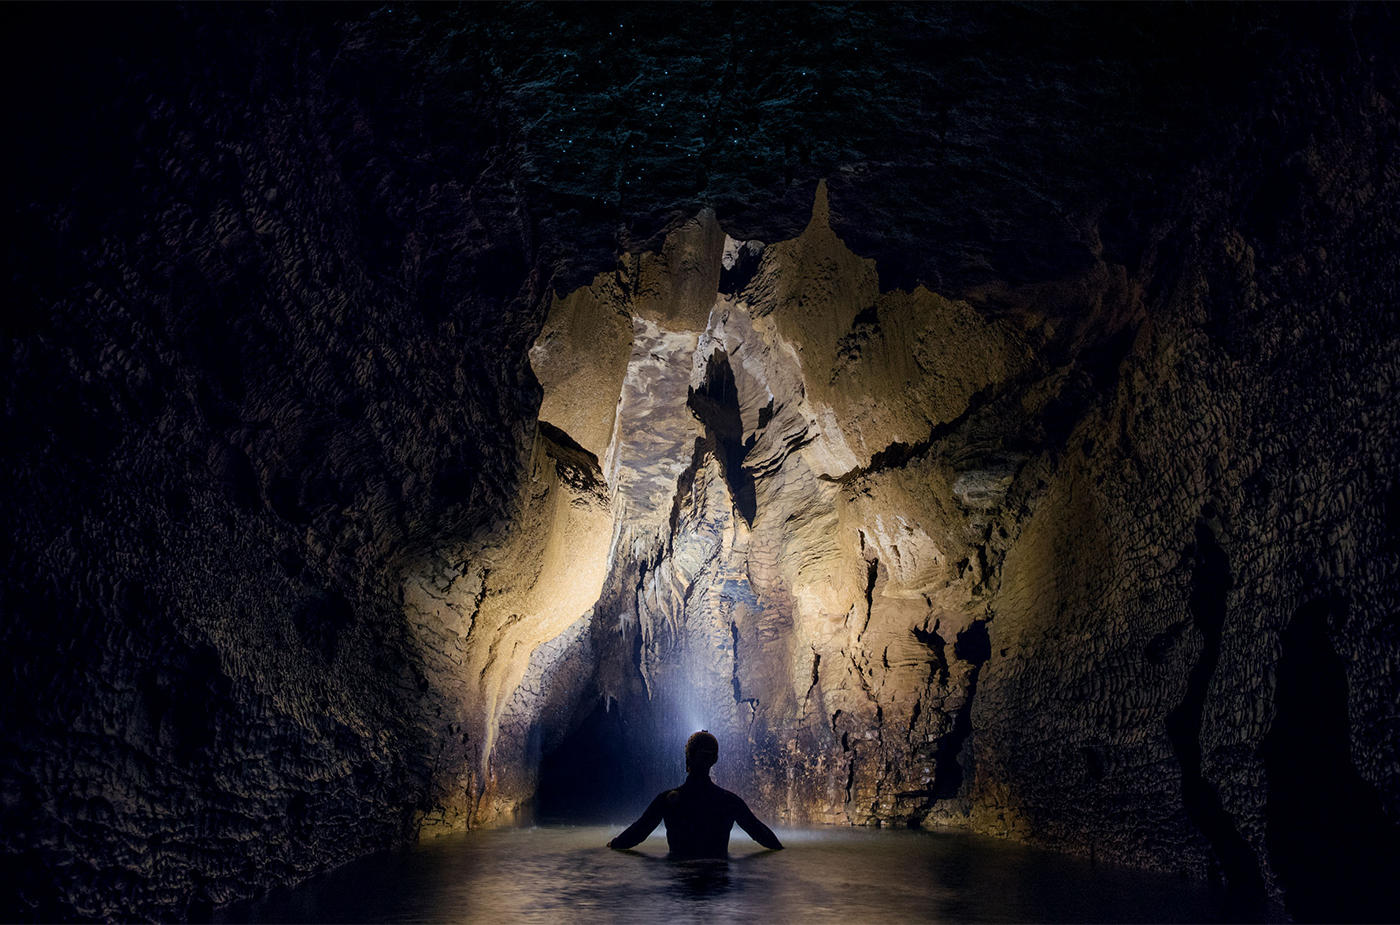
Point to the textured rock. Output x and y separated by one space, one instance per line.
401 403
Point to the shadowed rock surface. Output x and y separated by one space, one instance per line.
978 417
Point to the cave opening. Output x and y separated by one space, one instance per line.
610 764
592 775
973 645
1326 829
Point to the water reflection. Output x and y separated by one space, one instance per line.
565 874
699 879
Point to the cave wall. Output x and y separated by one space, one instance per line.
386 389
241 385
1239 475
1252 451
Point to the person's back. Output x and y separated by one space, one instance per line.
698 814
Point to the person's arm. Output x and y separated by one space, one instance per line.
756 829
637 832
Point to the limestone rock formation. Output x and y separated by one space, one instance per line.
976 417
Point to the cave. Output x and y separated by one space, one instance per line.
420 419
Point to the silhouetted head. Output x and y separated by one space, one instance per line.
701 751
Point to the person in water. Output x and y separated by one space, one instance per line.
698 813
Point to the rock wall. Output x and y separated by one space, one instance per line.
922 573
246 379
1235 487
411 412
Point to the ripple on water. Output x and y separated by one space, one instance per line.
565 874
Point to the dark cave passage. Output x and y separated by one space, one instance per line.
593 775
1326 829
972 645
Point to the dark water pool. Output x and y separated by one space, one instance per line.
564 874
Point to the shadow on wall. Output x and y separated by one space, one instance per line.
716 404
1335 853
1210 584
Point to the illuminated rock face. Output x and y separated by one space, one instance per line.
405 419
910 570
822 614
804 608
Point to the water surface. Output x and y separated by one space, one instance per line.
562 873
